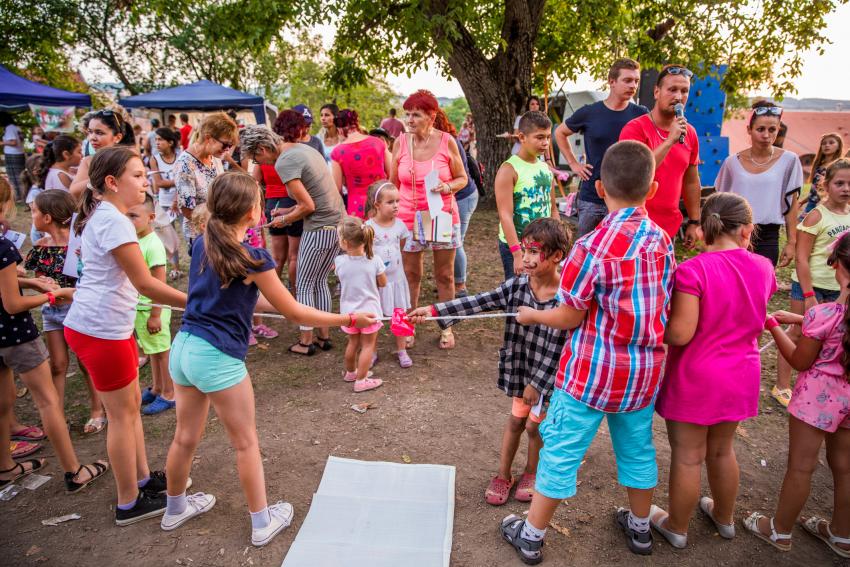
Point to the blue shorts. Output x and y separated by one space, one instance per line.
53 317
569 429
821 294
196 363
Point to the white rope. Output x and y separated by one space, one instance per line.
772 342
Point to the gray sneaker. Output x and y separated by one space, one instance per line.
281 514
529 551
638 542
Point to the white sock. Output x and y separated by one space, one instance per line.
531 533
640 525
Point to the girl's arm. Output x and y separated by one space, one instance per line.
159 182
394 162
382 280
789 251
81 179
800 356
805 245
66 179
14 302
129 257
684 316
304 205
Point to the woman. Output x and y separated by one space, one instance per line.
328 134
317 203
830 149
200 163
163 162
415 154
467 133
357 162
13 154
106 128
533 103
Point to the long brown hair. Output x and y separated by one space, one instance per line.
108 162
354 231
58 204
231 196
724 213
841 254
820 159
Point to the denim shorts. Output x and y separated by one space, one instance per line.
568 431
196 363
822 295
53 317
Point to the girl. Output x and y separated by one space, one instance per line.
61 156
813 281
31 178
166 141
830 149
818 413
226 278
106 128
99 326
390 236
256 238
51 215
713 370
360 274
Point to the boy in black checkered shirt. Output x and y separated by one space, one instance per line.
528 361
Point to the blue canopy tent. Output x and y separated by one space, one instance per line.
201 95
16 93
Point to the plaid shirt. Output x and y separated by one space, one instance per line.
530 354
621 274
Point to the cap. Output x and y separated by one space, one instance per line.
305 110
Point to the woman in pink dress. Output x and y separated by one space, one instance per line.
358 161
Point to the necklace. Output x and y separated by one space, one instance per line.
762 164
657 131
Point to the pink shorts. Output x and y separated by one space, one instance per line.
522 409
371 329
822 401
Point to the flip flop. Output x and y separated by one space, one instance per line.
35 465
20 449
94 425
29 433
100 468
812 525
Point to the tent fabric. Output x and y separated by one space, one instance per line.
201 95
17 93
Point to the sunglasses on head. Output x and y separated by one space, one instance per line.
771 110
687 73
109 114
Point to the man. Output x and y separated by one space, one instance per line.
600 123
185 130
149 141
675 162
393 125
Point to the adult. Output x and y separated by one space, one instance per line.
420 151
308 138
108 127
172 122
675 145
357 162
467 199
600 124
328 133
467 133
533 103
185 130
150 139
769 178
197 167
13 154
317 202
393 125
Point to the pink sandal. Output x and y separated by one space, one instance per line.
525 487
498 491
29 433
352 376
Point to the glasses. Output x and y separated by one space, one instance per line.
109 114
225 145
771 110
675 70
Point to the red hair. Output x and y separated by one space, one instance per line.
290 125
422 100
347 119
442 123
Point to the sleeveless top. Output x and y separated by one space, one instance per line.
532 193
275 189
415 199
54 179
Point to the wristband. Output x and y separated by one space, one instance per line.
693 222
434 312
352 320
515 248
808 294
771 323
51 299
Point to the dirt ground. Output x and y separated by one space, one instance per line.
446 409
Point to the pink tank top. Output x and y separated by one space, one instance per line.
414 199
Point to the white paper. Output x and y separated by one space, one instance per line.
72 258
441 227
17 238
538 407
435 198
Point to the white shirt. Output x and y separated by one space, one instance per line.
358 276
769 192
12 133
168 194
54 179
105 302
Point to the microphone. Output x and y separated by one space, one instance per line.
679 109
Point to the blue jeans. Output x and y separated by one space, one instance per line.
590 214
465 208
507 260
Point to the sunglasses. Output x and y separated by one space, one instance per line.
771 110
109 114
225 145
687 73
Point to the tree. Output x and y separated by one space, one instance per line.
456 110
497 50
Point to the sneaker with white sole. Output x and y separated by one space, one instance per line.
196 504
147 506
281 515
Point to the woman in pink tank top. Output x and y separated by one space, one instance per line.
415 154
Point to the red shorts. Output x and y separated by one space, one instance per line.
111 364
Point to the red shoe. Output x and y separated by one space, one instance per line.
525 488
498 491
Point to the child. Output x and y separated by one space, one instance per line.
61 157
713 370
255 238
528 360
51 216
153 324
818 412
200 217
99 326
361 273
813 281
31 178
614 291
166 142
390 236
226 278
830 149
523 189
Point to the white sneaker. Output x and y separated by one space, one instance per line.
281 514
196 504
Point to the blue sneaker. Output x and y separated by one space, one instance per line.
159 405
148 396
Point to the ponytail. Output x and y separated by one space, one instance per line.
55 151
357 233
369 240
724 213
108 162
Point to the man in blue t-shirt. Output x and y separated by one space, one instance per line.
600 124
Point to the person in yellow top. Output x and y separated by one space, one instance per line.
814 280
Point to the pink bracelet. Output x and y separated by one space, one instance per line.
771 323
515 248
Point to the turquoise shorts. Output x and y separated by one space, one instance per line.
196 363
569 429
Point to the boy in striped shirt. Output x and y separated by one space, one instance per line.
615 292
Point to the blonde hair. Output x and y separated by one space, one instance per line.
218 126
354 231
200 217
373 194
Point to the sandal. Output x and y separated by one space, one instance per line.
447 339
726 531
94 425
782 397
20 449
311 349
751 522
525 487
498 491
812 525
323 343
72 486
35 464
30 433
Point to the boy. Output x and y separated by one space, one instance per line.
153 324
523 189
615 291
528 360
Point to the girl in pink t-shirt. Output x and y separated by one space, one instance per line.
711 381
819 411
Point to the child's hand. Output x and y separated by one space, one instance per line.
44 284
526 316
810 302
530 396
787 318
154 324
64 295
363 320
419 314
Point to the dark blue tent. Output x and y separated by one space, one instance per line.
202 95
16 93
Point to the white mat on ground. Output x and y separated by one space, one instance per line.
378 514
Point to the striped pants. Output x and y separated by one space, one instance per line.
315 260
15 164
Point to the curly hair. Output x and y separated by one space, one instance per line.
443 124
290 125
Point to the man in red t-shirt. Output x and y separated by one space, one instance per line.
393 125
185 130
675 161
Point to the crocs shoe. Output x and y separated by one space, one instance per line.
498 491
265 331
783 397
525 487
159 405
404 359
148 396
529 551
367 384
